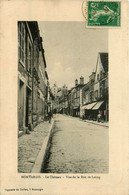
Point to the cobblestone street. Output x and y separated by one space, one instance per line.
29 146
78 147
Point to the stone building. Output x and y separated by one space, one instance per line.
95 92
84 99
60 99
42 88
50 98
32 82
74 98
101 86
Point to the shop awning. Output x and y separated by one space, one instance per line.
97 106
89 106
84 107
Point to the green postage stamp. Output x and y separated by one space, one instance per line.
103 13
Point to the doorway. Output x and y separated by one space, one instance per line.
28 106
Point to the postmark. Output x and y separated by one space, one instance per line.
102 13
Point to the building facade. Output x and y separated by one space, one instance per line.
32 82
95 92
101 87
74 98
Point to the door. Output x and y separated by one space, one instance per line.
28 98
21 105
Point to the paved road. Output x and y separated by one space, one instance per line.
78 147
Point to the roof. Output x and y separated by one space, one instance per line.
104 60
79 86
86 86
34 28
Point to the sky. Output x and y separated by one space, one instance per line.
71 50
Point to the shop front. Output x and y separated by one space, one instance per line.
99 108
76 111
87 111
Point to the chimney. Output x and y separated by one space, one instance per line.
81 80
76 82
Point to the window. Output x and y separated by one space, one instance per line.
29 55
21 41
78 94
101 92
96 94
75 95
103 84
97 77
91 96
101 74
36 55
86 98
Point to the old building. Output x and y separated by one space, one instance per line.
62 95
25 72
70 101
50 98
84 99
95 92
60 99
101 86
88 98
57 93
74 98
42 88
32 82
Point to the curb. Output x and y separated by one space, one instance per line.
41 156
95 123
88 121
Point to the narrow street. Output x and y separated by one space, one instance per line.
78 147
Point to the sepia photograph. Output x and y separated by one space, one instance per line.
63 98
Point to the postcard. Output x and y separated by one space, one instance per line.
64 97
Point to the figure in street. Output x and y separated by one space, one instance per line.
99 117
50 116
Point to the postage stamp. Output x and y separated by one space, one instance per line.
104 13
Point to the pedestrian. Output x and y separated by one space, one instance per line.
99 117
49 116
